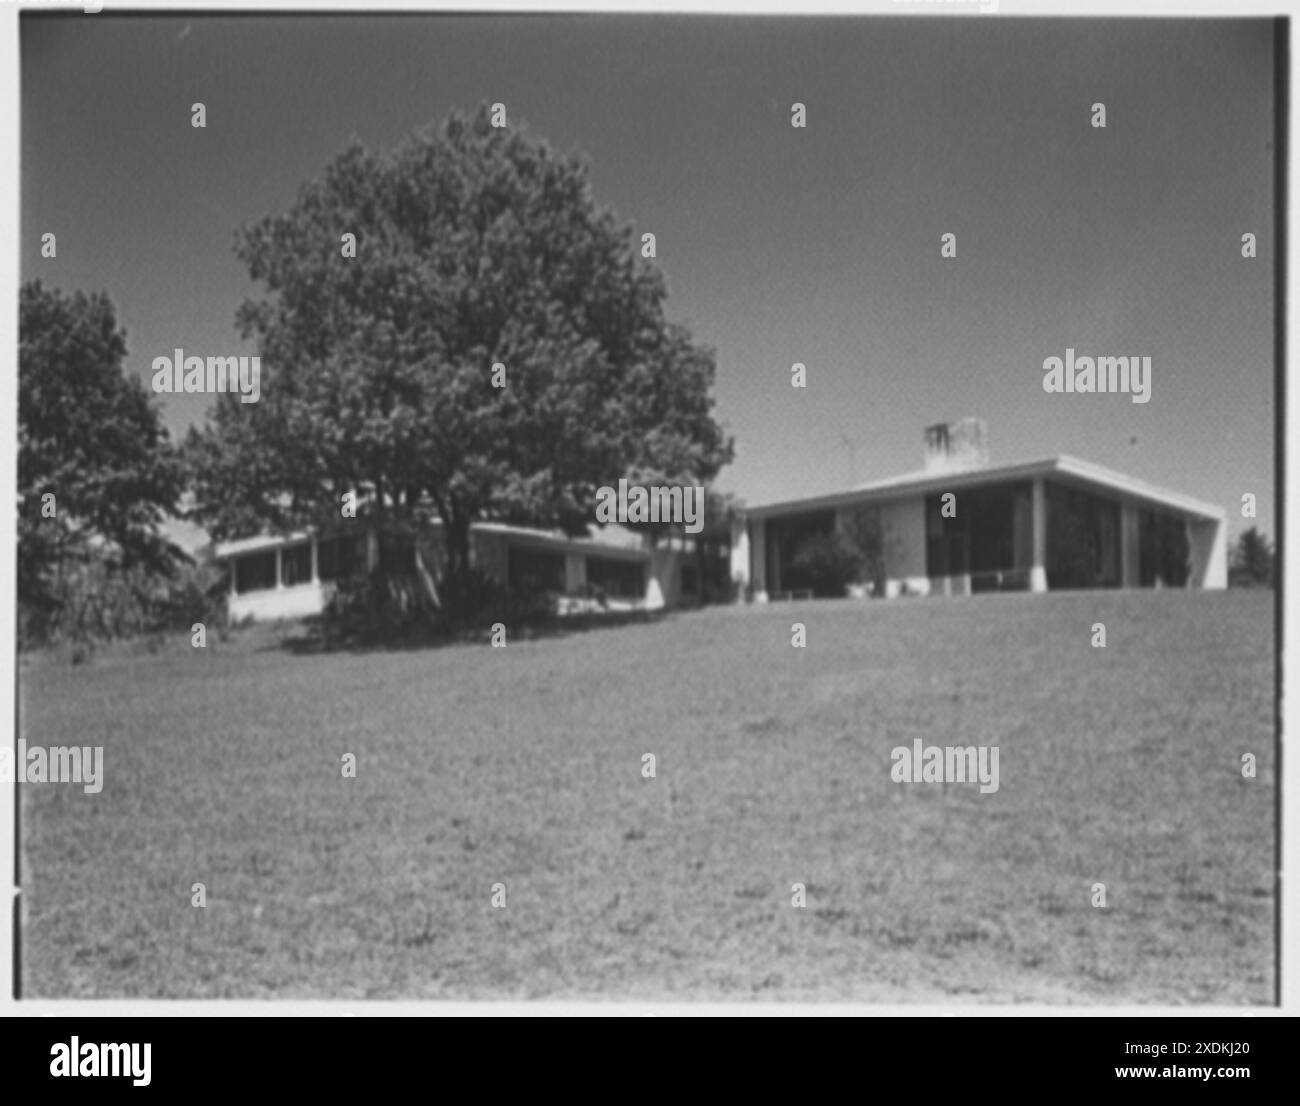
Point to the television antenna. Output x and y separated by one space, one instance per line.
852 447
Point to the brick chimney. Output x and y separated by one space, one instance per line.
956 446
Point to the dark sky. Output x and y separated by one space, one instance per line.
780 245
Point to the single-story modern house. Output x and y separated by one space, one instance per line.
957 527
1058 522
274 576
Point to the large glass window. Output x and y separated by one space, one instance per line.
255 572
295 565
1164 552
621 579
947 544
535 570
785 536
1082 539
988 538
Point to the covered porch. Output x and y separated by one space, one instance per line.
1062 529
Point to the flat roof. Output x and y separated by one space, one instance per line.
626 545
615 541
258 543
1072 469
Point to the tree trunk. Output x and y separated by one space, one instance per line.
457 545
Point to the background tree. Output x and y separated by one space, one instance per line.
1251 563
474 245
89 435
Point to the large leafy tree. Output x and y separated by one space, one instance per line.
475 245
90 437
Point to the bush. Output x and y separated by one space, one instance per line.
530 610
387 607
79 652
470 595
93 600
198 594
865 529
826 563
377 607
720 590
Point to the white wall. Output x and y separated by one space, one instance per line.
1208 542
295 602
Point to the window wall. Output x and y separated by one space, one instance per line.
534 570
255 572
617 578
1083 539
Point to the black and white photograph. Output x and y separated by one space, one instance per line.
608 507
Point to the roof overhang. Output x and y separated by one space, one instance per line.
624 545
561 543
1063 469
259 543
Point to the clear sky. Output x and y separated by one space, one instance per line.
819 245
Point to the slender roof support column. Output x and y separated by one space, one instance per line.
758 543
1130 546
1207 544
1038 566
740 555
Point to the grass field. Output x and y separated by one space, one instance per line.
522 766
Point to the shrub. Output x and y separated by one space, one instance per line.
865 529
94 599
534 610
471 594
826 563
375 607
395 607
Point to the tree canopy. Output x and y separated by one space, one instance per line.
90 437
1251 563
475 246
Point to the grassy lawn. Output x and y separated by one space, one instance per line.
522 766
